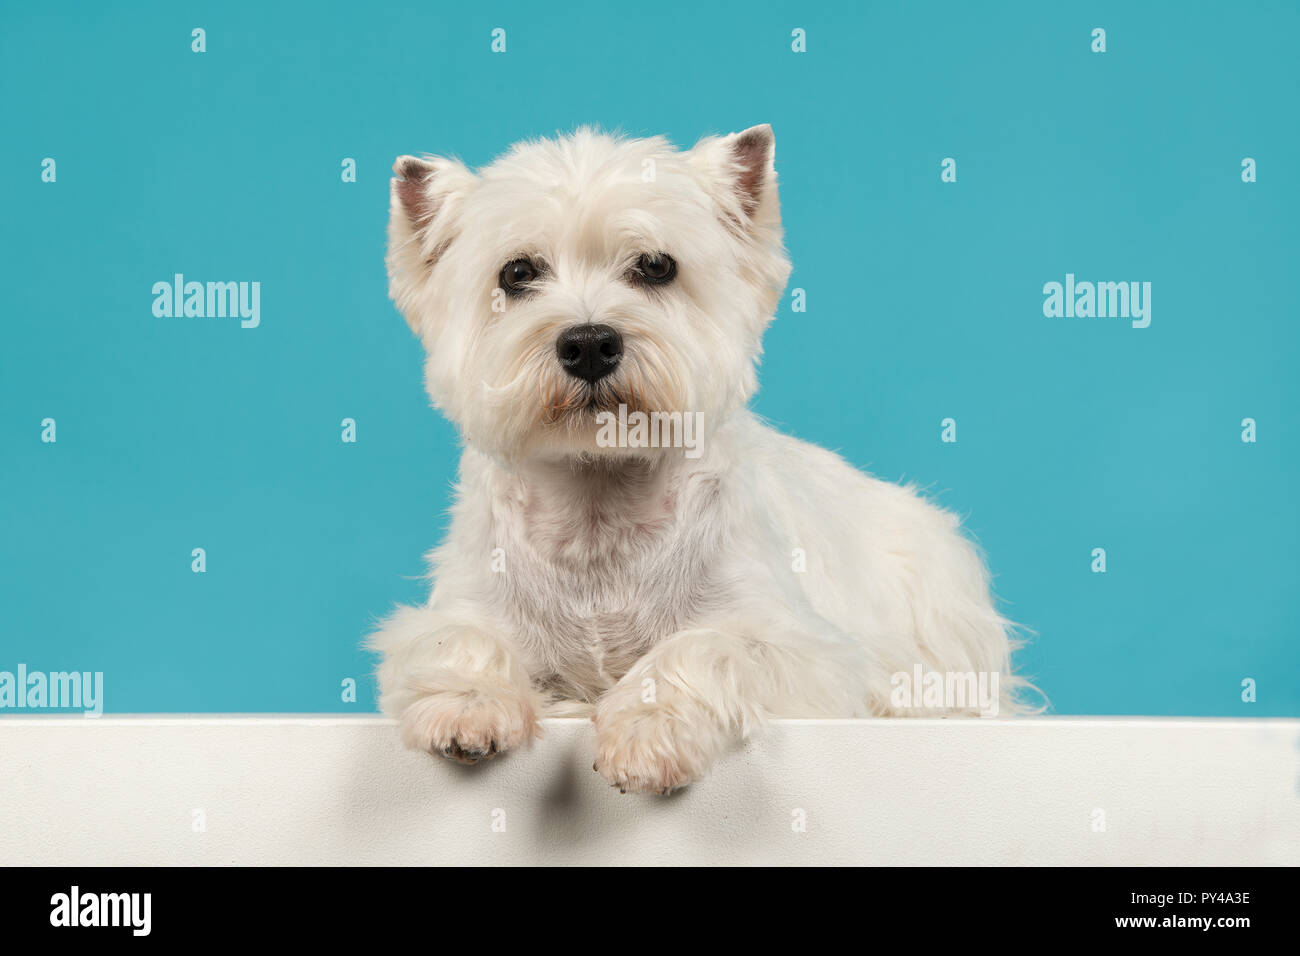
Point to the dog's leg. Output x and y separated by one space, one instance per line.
701 690
456 688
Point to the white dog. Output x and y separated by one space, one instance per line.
685 593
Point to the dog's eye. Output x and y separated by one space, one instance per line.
657 269
516 275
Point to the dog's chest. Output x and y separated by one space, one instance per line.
594 588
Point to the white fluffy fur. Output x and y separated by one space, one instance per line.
650 589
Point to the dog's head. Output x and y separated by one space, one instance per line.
579 274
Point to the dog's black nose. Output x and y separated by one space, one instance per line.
589 352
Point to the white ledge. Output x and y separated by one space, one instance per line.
340 791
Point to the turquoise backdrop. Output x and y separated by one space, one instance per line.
1072 434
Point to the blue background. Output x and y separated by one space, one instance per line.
1073 434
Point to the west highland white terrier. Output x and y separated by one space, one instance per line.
628 540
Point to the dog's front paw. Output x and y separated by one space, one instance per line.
470 725
645 749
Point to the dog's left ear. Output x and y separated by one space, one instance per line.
424 208
741 168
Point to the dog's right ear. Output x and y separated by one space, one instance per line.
424 204
740 169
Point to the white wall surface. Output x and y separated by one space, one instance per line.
327 790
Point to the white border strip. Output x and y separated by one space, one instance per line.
338 790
